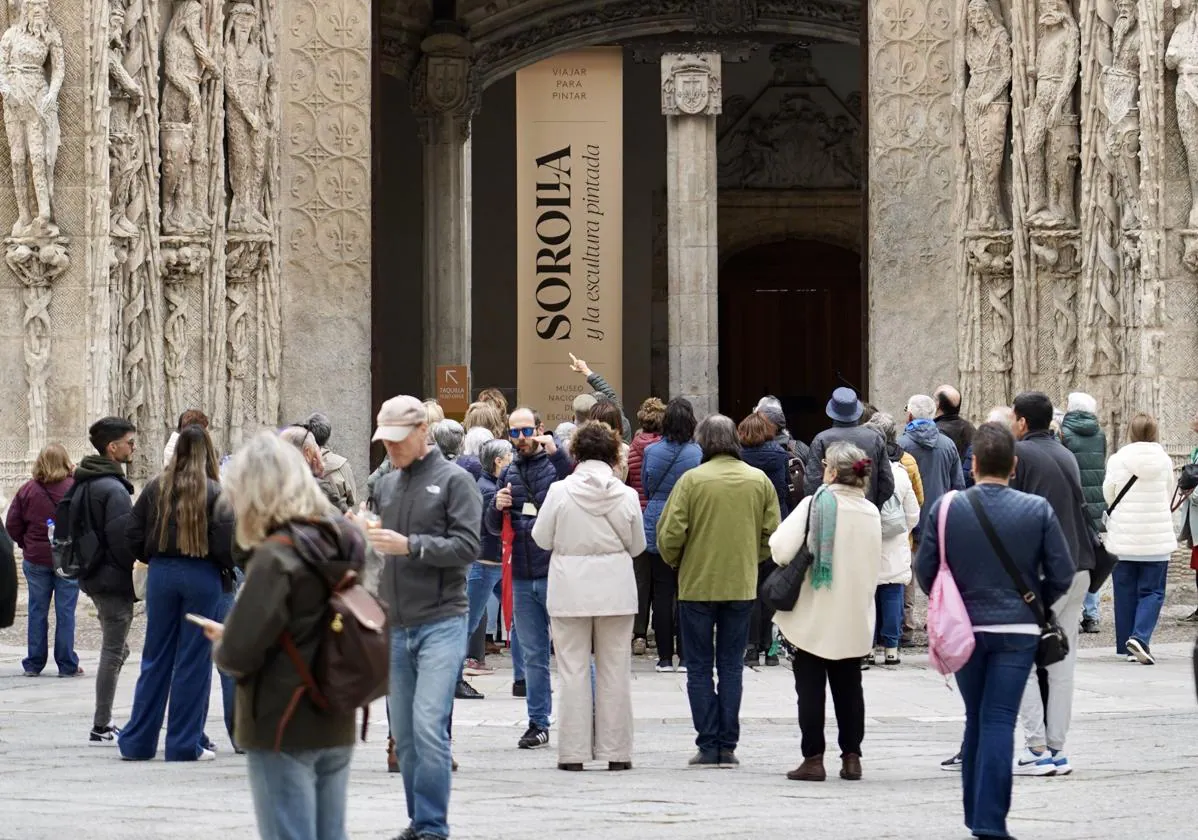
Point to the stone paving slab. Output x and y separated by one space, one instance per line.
1133 739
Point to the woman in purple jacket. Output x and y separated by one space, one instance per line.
26 523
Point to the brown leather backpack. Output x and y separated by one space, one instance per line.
352 662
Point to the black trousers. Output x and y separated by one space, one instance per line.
642 567
665 609
476 648
812 675
760 633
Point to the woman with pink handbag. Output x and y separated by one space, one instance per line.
991 546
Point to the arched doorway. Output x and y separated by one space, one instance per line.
790 325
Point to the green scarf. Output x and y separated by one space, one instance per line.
820 537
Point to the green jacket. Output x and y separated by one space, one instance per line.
1082 436
716 528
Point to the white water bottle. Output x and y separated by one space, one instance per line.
50 531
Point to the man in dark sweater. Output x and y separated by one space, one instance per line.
949 420
1046 468
100 483
845 410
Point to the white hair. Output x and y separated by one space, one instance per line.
475 438
1079 401
769 401
1001 414
921 407
269 484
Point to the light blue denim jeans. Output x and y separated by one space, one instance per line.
425 660
300 795
532 618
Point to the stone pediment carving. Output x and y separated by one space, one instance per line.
796 133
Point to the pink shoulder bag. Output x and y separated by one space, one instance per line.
950 632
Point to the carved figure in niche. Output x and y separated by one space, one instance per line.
1052 141
246 74
186 63
125 97
987 107
31 112
1121 98
1182 56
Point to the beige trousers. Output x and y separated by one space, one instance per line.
594 722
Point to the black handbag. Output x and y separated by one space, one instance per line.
1104 561
780 591
1054 646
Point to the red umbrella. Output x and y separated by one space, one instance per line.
509 535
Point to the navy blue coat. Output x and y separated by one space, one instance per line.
492 544
771 459
1032 536
530 479
665 462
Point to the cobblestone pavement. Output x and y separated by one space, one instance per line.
1132 742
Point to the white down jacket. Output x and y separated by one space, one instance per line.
592 524
1142 525
896 550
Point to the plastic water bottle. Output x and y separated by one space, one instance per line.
50 531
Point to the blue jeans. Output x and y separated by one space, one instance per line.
1139 595
888 607
424 670
228 685
991 685
42 584
300 795
528 598
176 662
1090 606
481 581
716 716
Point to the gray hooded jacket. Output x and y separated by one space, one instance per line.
938 460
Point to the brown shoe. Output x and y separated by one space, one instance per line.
392 758
811 770
850 767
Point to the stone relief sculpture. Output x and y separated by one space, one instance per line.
31 74
987 108
246 75
1120 98
690 87
186 62
125 97
1182 56
1051 141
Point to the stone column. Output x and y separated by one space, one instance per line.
444 98
691 101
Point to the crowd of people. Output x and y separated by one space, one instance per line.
589 535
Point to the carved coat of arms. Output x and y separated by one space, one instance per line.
692 90
446 83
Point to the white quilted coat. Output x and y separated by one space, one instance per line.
1141 525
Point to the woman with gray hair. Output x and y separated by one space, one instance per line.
298 756
832 624
715 531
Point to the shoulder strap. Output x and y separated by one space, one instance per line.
1122 493
1029 597
651 493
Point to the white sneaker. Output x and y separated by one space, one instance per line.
206 755
1064 768
1032 763
664 667
681 668
1140 651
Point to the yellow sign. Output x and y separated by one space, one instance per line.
570 218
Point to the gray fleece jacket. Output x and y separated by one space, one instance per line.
438 507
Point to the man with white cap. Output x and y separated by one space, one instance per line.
431 513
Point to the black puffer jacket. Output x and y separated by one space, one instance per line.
8 581
110 503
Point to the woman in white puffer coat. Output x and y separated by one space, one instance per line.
1140 533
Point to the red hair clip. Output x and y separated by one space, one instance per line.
860 467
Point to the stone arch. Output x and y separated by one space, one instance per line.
750 218
527 39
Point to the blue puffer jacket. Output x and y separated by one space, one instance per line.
665 462
771 459
470 464
1032 536
530 479
491 547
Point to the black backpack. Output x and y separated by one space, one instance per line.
77 545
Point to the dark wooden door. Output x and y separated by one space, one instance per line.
790 325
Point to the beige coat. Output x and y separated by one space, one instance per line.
836 622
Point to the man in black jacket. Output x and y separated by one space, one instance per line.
1046 468
844 409
100 481
949 420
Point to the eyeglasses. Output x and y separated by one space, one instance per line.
526 431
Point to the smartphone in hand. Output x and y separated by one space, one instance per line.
200 620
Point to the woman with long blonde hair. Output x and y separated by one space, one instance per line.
35 503
179 528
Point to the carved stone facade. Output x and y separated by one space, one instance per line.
148 264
